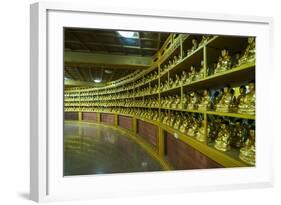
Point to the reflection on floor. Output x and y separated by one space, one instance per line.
95 149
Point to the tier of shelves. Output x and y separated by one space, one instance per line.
135 93
227 159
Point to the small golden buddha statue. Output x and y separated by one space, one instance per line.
166 119
205 101
201 73
171 82
177 122
250 52
242 94
170 64
160 88
239 135
192 130
201 134
212 130
193 103
185 101
173 101
175 59
172 120
223 139
224 62
184 77
247 104
177 81
227 100
183 127
155 116
166 85
191 74
248 152
194 44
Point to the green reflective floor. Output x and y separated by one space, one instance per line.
96 149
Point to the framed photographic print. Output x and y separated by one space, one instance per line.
127 102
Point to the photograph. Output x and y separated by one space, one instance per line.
146 101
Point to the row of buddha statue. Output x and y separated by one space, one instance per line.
223 100
245 103
227 134
226 61
223 133
175 59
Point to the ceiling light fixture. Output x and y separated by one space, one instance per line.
128 34
97 80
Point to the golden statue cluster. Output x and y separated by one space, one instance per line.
169 94
223 133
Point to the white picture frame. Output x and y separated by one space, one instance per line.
46 102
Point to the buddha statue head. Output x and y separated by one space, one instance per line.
194 43
251 40
205 92
226 89
251 86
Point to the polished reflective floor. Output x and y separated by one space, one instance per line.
97 149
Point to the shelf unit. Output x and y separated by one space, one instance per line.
134 92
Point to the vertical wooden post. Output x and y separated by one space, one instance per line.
205 60
79 116
161 143
98 117
205 128
134 125
115 119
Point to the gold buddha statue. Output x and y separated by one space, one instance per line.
160 88
170 64
242 94
247 104
205 101
201 73
227 100
172 120
248 152
183 127
166 85
250 52
224 62
191 74
223 139
177 122
193 103
176 82
172 100
155 116
171 82
176 59
212 130
176 101
201 134
239 135
184 77
192 130
185 101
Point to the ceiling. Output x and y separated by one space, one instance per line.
95 44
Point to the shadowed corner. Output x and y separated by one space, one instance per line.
24 195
